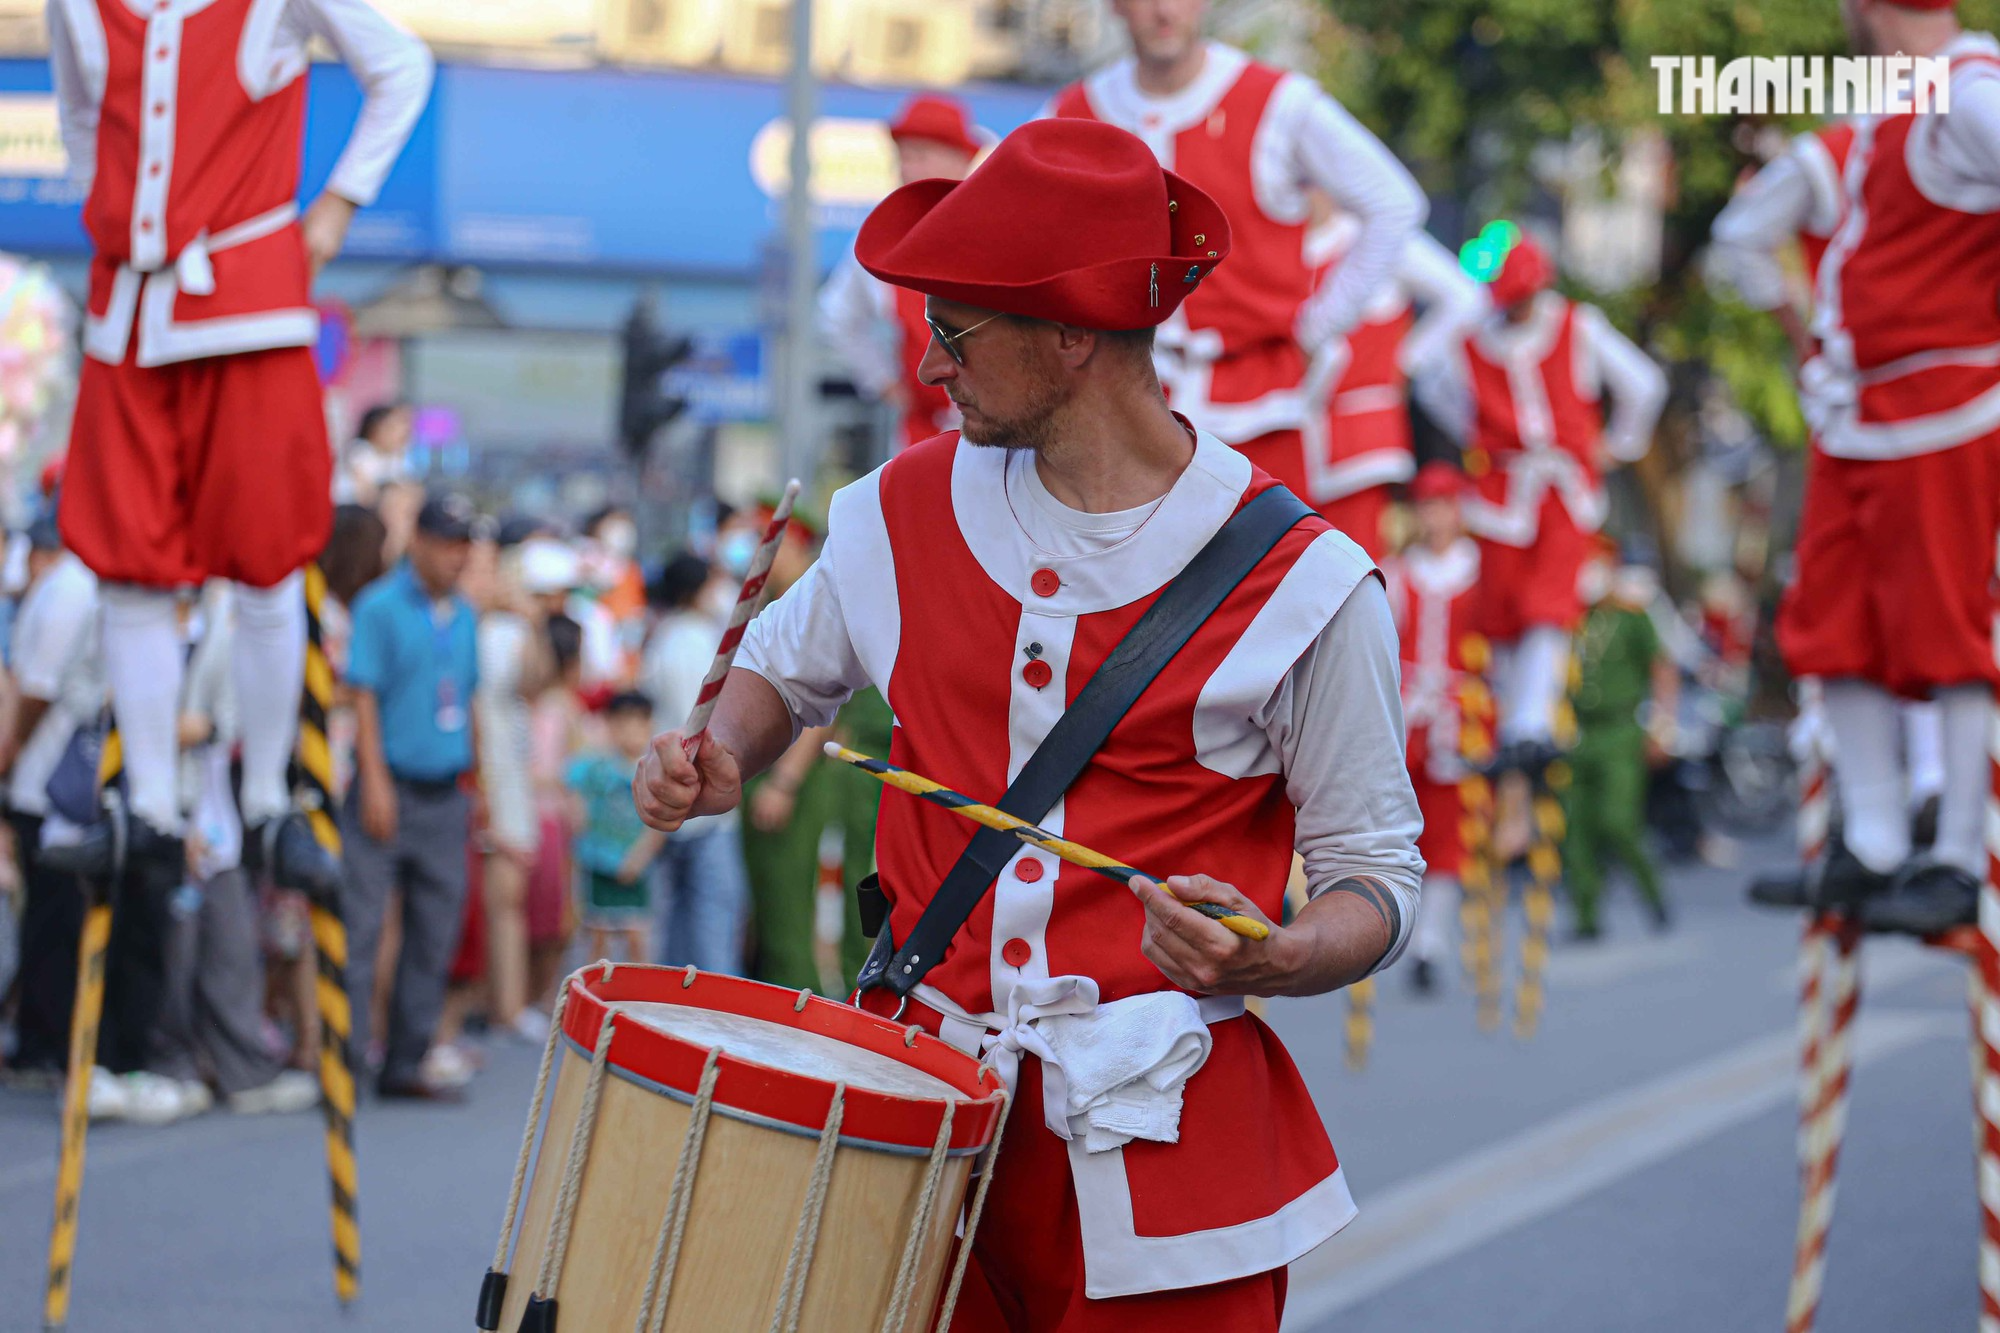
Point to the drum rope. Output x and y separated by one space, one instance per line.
507 1227
972 1218
579 1153
798 1264
906 1272
673 1224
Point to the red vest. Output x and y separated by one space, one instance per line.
1919 279
1535 428
196 181
1433 596
930 409
1249 303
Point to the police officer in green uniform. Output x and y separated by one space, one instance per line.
1622 666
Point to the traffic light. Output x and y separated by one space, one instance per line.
644 403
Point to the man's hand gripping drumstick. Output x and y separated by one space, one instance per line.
707 778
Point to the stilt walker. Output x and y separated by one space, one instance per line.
89 1010
329 931
199 448
1895 592
1255 351
1523 393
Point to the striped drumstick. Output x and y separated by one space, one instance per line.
1074 853
747 602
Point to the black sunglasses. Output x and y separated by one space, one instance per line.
948 337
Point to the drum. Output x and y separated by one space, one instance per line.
719 1154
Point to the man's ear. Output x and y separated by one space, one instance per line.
1075 345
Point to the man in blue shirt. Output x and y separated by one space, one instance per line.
413 666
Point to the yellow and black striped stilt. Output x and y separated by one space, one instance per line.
1544 867
336 1064
1482 899
89 1011
1360 1022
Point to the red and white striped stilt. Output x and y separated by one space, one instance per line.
747 602
1815 814
1986 1036
1826 1125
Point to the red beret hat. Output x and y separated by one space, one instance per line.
937 118
1066 220
1525 271
1437 480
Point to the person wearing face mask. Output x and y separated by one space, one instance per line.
1625 698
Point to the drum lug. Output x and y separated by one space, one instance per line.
540 1316
492 1295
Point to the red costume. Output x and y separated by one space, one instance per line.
1252 355
1896 552
199 445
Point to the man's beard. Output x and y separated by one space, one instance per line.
1032 426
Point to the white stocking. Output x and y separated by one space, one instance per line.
1867 761
1967 715
143 661
269 663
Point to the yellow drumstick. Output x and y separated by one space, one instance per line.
1074 853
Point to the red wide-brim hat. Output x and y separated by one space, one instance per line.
939 119
1066 220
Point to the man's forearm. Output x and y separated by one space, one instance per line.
1342 935
369 763
751 722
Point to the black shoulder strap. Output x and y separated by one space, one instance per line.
1140 656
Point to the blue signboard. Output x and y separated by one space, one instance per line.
593 169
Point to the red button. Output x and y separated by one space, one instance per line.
159 108
1016 953
145 224
1037 674
161 53
1045 583
1027 870
153 170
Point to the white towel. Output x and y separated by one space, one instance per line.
1123 1067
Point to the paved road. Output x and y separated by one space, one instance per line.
1630 1169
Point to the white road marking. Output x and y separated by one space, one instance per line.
1491 1192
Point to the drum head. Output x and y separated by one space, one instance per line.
787 1048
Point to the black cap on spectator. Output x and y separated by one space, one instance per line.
517 528
450 516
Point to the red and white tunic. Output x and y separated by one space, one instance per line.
1433 594
879 332
1907 299
980 605
1235 356
184 117
1363 440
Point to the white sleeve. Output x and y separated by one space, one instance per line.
801 645
1337 723
76 102
1968 142
1638 386
394 69
1452 302
1336 152
850 319
1753 227
1442 386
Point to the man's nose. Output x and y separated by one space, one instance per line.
936 367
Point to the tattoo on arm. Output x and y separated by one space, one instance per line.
1376 895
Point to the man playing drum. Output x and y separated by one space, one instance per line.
1167 1162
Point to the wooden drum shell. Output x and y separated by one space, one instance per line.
750 1188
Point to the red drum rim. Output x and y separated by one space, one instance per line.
798 1103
